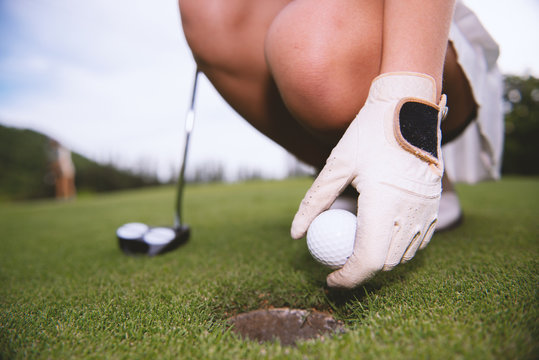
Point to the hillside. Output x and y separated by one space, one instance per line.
25 172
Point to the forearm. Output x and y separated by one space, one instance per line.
415 35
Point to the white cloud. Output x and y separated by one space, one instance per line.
98 33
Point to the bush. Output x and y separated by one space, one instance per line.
521 126
25 170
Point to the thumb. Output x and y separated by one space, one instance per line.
331 181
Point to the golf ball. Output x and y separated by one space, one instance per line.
132 231
330 238
159 236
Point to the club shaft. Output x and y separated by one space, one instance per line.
189 124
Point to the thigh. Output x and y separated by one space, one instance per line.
460 100
229 34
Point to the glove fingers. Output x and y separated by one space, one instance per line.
384 238
428 235
406 242
401 244
375 229
419 242
331 181
412 249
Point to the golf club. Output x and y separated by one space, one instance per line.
139 238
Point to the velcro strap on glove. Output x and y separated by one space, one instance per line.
417 125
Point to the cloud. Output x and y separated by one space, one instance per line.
100 34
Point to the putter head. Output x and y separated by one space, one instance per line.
140 239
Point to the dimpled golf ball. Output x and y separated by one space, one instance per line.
330 238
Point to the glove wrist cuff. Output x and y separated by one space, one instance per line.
398 85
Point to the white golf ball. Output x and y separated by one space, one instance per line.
159 236
330 238
132 231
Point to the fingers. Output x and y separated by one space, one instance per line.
331 181
417 219
412 248
428 235
388 233
401 244
376 227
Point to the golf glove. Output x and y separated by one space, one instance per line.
391 154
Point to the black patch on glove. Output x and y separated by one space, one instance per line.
419 126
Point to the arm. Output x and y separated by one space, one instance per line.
415 35
391 152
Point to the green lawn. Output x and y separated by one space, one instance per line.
66 291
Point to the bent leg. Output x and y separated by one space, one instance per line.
461 103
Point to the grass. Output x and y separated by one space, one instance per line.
66 291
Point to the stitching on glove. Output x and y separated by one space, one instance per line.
412 247
428 233
416 128
388 263
410 192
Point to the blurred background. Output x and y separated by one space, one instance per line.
111 81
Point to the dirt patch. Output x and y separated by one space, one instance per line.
285 325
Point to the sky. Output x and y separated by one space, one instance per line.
112 80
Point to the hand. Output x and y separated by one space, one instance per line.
391 154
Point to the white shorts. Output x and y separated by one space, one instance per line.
477 153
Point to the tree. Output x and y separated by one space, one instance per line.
521 150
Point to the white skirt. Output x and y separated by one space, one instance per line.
477 153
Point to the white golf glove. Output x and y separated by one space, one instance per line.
391 154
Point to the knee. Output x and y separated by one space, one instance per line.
300 60
323 65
